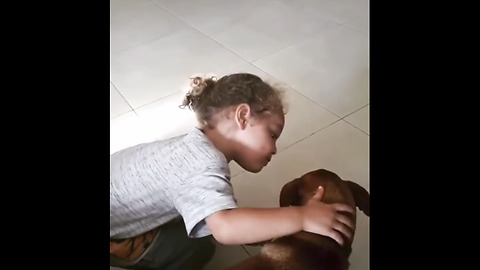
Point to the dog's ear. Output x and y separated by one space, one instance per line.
361 195
290 194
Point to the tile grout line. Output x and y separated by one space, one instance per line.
128 103
356 127
310 135
356 110
158 99
300 40
230 50
204 34
343 118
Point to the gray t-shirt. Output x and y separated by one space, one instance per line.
153 183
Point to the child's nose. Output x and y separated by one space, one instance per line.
274 151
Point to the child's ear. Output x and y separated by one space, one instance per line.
242 115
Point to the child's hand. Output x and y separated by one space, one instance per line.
325 219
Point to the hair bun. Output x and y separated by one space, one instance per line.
199 83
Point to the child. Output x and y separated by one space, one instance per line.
168 197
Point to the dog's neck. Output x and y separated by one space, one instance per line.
312 249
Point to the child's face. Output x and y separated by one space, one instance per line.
259 140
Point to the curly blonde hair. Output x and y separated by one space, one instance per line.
209 95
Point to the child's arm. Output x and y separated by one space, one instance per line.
249 225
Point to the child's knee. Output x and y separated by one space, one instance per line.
205 249
211 247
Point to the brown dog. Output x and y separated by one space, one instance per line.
308 251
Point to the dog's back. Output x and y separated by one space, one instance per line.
308 251
304 251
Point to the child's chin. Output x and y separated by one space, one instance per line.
252 169
255 170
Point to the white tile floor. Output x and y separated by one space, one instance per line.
319 48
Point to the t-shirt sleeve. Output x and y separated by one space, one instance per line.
201 195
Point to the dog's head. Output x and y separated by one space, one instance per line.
300 190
